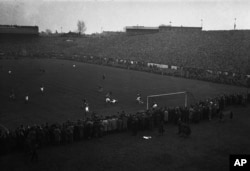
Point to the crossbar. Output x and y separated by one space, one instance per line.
158 95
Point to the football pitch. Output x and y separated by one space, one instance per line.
65 86
208 147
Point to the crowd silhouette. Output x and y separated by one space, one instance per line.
28 138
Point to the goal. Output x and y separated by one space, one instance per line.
169 99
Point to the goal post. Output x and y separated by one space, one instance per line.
169 94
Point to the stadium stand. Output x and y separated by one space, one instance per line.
218 56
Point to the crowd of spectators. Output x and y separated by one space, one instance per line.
28 138
238 79
217 56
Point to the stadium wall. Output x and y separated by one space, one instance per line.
163 28
141 30
13 30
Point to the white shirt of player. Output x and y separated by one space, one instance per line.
87 108
113 101
138 98
27 98
155 105
107 99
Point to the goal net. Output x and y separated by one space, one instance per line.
170 99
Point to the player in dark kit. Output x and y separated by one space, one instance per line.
12 96
84 103
103 76
100 89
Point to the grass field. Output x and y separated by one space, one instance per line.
65 87
208 147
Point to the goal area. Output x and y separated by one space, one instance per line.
174 99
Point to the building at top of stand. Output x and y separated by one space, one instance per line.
134 30
163 28
14 30
141 30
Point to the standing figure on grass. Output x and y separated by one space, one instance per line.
85 107
107 97
32 143
134 125
139 99
155 105
100 89
160 121
84 103
12 96
103 77
161 128
42 89
26 99
184 130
